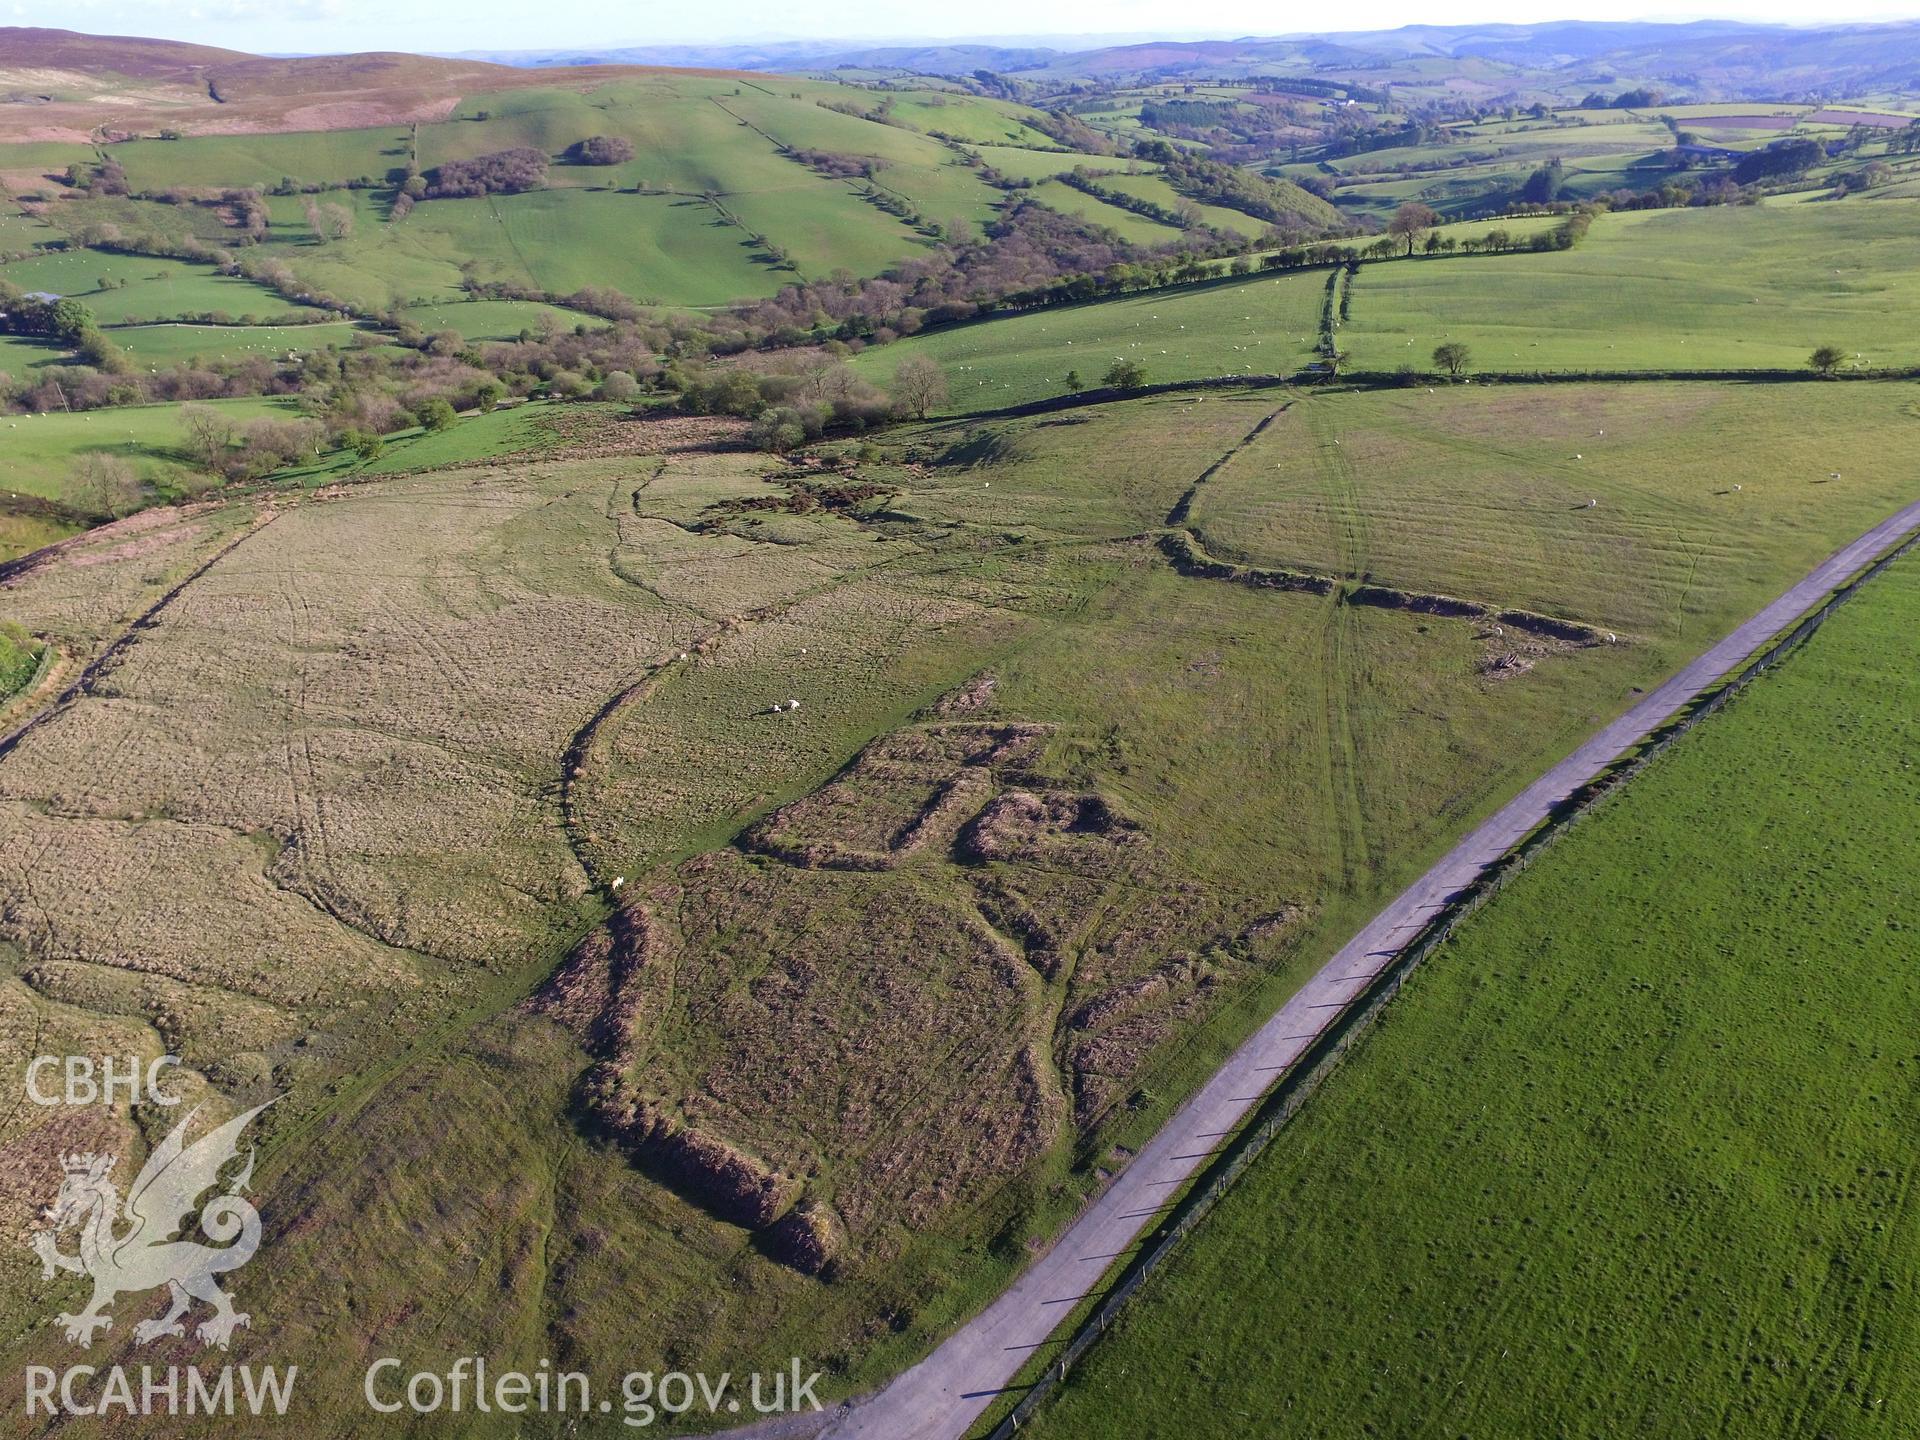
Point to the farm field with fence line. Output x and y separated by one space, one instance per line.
1256 324
1622 1147
1717 288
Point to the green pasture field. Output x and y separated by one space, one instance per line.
948 191
171 344
972 119
26 165
695 136
1626 1148
20 354
381 265
144 287
308 157
1022 164
1528 147
1259 324
20 232
505 431
823 226
1464 230
175 224
1156 189
671 248
1135 229
1714 288
929 175
655 247
41 450
1472 188
1481 492
497 319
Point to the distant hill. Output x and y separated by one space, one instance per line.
60 85
130 55
931 59
1710 58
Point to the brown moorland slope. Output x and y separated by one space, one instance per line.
55 85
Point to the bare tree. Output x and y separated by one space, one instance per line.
1412 221
919 385
209 434
329 222
104 485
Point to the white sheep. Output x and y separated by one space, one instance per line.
1593 504
618 881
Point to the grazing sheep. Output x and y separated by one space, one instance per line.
618 881
1593 504
793 704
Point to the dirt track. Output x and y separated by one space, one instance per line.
940 1398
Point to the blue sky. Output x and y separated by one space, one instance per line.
334 25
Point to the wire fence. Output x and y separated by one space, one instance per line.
1320 1059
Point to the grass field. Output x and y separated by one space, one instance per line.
695 136
1157 190
1481 492
1627 1148
41 449
476 437
1732 288
308 157
1651 290
21 355
1260 325
1024 164
1135 229
497 319
143 287
699 905
173 344
1143 928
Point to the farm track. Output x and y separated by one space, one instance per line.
942 1397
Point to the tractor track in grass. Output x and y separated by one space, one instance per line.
945 1395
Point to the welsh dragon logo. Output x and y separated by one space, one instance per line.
128 1247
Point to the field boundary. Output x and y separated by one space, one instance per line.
145 620
1394 380
1323 1056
